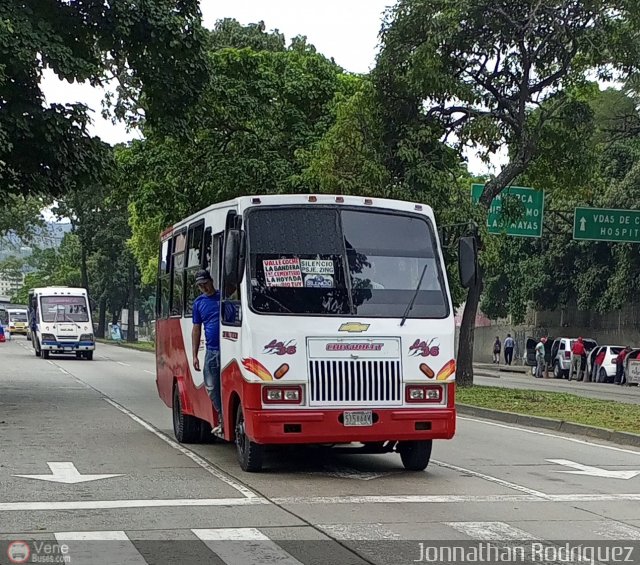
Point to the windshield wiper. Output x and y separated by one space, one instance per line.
415 295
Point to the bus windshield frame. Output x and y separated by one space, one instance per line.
323 261
62 315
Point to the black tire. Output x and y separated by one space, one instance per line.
415 455
185 428
45 353
88 355
557 372
249 453
602 376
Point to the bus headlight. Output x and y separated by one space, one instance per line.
282 394
423 393
86 337
48 337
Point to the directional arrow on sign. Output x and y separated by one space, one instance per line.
593 471
583 224
66 472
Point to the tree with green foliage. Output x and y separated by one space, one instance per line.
479 68
141 46
262 107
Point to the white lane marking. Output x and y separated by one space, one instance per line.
51 363
490 478
115 504
359 532
123 364
120 549
239 546
618 531
62 370
453 499
546 434
91 536
150 372
491 531
65 472
195 458
580 469
230 534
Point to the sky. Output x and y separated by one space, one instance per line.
346 30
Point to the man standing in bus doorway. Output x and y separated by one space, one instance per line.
206 311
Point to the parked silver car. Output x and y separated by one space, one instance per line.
561 354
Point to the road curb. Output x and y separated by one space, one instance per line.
620 438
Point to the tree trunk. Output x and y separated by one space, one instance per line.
102 317
131 319
464 363
84 277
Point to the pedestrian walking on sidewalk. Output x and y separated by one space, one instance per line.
509 344
497 348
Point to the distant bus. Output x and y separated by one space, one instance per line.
60 322
17 321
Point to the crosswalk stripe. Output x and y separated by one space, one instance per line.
490 531
239 546
359 532
618 531
115 544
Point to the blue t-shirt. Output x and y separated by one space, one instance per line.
206 311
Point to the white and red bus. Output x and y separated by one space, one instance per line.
337 325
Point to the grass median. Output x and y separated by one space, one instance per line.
139 345
607 414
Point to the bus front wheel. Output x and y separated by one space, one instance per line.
415 455
186 428
249 453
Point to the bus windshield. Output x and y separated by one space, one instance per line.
343 262
64 309
18 316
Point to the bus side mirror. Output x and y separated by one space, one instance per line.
468 261
234 257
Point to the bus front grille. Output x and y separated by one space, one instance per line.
355 383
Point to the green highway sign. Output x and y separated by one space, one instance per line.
529 225
606 224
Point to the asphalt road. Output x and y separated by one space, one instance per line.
493 486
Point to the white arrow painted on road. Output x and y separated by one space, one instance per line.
583 224
593 471
66 472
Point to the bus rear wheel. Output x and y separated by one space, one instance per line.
186 428
415 455
249 453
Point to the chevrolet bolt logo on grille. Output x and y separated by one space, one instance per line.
353 327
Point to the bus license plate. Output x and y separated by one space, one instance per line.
358 418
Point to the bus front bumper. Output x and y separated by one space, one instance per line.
325 426
63 347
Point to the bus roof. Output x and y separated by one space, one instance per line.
70 290
244 202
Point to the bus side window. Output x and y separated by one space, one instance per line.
177 274
216 260
206 253
230 304
194 260
164 279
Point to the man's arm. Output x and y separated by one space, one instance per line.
195 343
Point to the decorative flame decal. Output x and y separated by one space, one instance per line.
446 371
254 366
